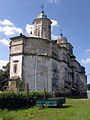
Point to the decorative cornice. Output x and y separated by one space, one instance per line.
18 37
16 45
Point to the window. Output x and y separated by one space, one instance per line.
15 61
38 33
15 68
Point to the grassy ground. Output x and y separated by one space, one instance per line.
74 109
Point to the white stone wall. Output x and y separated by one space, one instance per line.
37 46
55 75
36 72
63 68
82 83
18 41
16 49
16 46
42 28
45 65
19 66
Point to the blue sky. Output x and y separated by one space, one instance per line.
73 16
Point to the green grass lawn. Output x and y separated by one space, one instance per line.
74 109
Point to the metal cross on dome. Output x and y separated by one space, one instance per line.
42 7
61 32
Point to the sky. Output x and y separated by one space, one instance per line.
72 16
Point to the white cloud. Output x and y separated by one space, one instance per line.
5 41
8 28
6 22
1 29
11 30
54 23
88 50
54 37
54 1
29 28
86 61
3 63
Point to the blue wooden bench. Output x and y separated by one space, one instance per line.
50 102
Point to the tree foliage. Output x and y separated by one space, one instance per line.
17 100
4 77
88 86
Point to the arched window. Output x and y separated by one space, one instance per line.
38 32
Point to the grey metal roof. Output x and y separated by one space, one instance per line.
42 15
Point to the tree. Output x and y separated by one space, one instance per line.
88 86
4 77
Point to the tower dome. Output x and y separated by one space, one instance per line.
62 39
42 26
42 15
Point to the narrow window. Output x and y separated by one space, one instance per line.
15 68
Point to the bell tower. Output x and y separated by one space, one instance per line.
42 26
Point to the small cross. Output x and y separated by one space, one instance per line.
42 7
61 32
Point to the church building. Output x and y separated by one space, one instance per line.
43 63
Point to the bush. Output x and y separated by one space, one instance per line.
17 100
